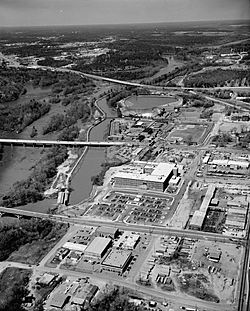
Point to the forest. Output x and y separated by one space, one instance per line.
77 111
13 288
17 117
115 300
218 78
25 232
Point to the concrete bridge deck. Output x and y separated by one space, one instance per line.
44 143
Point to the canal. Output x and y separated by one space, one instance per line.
91 164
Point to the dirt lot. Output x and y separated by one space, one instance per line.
191 271
224 278
184 131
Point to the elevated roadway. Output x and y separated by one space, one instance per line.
49 143
136 84
161 230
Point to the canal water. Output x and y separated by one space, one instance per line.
92 161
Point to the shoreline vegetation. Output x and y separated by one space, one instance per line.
21 115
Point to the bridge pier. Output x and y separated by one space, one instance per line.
1 214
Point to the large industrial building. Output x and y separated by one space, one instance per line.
148 175
98 247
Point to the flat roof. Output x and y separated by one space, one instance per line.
160 171
117 258
98 245
75 246
58 299
46 278
207 199
127 240
198 219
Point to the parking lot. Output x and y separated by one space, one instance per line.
133 208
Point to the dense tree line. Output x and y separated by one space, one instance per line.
13 288
69 134
16 118
13 81
115 96
123 55
51 62
166 78
197 101
77 111
219 77
13 236
222 139
32 189
113 301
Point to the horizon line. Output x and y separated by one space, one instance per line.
129 23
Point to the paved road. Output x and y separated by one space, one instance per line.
178 88
160 230
34 142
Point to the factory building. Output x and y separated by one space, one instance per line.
117 261
98 247
147 175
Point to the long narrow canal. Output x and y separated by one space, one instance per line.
92 161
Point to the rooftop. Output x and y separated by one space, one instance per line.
148 171
98 245
117 258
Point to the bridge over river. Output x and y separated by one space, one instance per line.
49 143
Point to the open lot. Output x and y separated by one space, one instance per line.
188 133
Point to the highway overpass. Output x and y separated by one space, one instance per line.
50 143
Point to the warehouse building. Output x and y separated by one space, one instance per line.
199 216
117 261
98 247
148 175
